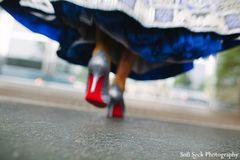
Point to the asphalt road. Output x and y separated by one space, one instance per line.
30 132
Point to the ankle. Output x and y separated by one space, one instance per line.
101 49
120 83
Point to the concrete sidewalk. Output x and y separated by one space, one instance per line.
35 132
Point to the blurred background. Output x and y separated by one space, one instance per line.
27 57
43 114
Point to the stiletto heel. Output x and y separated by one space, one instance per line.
97 85
116 105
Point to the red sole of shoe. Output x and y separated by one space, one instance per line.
117 111
95 97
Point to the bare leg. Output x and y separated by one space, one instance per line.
99 67
103 42
124 67
116 106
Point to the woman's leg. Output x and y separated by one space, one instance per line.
103 42
116 105
99 67
124 68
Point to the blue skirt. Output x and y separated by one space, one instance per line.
162 52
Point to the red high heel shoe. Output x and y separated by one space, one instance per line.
116 105
97 85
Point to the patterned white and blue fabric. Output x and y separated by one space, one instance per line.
219 16
166 34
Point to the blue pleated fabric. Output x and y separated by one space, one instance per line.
74 28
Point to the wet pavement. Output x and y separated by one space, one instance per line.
31 132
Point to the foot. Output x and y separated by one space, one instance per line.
97 85
116 105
